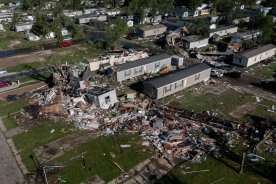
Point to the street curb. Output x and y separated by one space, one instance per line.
2 126
17 157
13 149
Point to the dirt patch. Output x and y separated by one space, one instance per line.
14 43
57 148
243 110
22 90
25 59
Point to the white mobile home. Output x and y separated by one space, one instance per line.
152 30
223 31
22 27
6 17
169 84
251 57
140 67
85 19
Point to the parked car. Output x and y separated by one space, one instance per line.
4 84
65 43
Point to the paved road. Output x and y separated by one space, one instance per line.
9 171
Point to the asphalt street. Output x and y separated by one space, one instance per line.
9 170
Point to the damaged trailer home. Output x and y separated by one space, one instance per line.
254 56
169 84
140 67
102 97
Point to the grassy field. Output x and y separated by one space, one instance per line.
38 136
222 104
7 109
218 173
11 39
263 110
8 37
66 55
263 71
99 154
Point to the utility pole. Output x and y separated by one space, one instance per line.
242 164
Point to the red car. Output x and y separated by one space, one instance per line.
65 43
4 84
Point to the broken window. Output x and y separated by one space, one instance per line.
197 76
138 70
167 89
127 72
107 99
179 84
157 65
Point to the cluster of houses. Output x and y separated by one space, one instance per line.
163 85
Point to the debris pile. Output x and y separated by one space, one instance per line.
73 97
176 135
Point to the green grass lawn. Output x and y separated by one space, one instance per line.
9 122
9 39
262 110
38 136
66 55
264 72
98 158
217 171
8 108
222 104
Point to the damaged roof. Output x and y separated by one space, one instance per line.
97 91
256 51
141 62
194 38
178 75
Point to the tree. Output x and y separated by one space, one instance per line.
15 20
116 30
41 26
56 28
141 7
265 23
226 7
76 4
193 4
26 4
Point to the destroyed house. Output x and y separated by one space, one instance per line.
253 56
102 97
169 84
140 67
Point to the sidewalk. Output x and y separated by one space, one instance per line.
9 170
